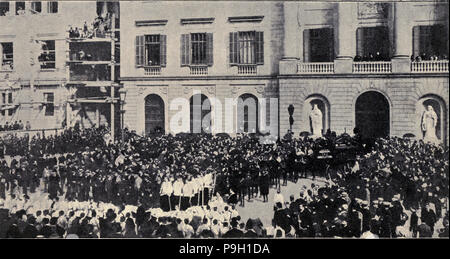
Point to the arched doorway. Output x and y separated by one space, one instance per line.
247 114
154 114
200 114
372 116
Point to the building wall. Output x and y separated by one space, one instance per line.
218 89
222 80
21 30
404 94
313 15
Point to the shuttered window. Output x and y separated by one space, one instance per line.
139 51
151 50
197 49
247 48
52 7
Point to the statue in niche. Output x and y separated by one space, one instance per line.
429 122
316 121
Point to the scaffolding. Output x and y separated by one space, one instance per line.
92 73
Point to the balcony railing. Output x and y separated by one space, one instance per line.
152 71
316 68
431 66
247 69
194 70
376 67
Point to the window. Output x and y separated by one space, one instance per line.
318 45
198 41
4 8
197 49
3 98
49 102
20 7
247 48
52 7
151 50
10 98
430 41
36 7
372 44
47 57
6 59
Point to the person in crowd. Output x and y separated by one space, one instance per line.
76 166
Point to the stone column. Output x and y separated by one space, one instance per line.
402 38
345 37
288 65
291 30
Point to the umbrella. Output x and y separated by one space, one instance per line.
409 135
304 134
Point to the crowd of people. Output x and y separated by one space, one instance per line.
370 57
67 219
178 174
17 125
98 28
428 57
400 189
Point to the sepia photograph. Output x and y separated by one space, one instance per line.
224 120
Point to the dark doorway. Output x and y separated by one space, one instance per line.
200 114
154 114
247 114
372 115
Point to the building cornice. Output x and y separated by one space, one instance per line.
337 76
191 78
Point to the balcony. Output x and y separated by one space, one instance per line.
431 66
316 68
375 67
199 70
247 70
395 66
152 71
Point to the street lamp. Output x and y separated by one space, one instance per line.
291 119
123 93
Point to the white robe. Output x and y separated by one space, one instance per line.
429 122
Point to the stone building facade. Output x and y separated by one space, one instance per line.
37 81
356 61
225 28
384 95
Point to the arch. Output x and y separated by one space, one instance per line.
373 114
440 109
323 105
200 114
154 114
247 114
